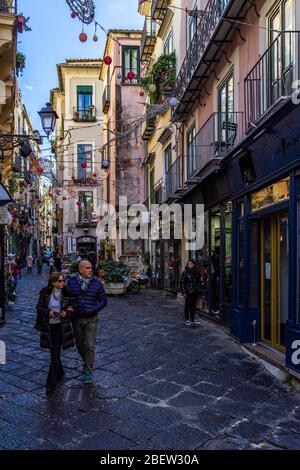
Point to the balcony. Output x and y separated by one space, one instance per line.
86 222
220 134
159 9
158 194
19 167
148 39
206 49
269 83
106 99
8 7
84 115
174 179
148 128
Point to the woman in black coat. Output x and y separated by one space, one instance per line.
54 309
190 288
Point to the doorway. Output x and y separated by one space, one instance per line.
274 278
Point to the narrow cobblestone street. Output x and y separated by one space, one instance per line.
158 385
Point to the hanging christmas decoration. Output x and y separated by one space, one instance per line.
107 60
83 37
142 93
40 171
78 203
84 9
130 75
83 165
152 88
65 198
73 15
95 38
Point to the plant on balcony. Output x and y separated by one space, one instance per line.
162 75
20 63
13 182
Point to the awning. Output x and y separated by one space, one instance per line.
5 197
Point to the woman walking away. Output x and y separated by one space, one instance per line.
190 287
54 309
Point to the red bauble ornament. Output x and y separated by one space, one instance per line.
78 203
73 14
64 198
83 165
142 93
40 171
94 175
83 37
107 60
15 209
130 75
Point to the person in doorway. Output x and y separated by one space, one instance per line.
190 288
54 310
90 299
29 262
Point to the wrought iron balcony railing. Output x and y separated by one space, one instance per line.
207 24
8 6
174 178
148 38
220 133
271 79
84 114
158 194
86 222
106 99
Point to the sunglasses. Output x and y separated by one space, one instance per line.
60 280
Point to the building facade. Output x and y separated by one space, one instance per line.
77 146
236 151
123 103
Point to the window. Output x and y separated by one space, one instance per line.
84 102
227 125
131 63
192 25
168 46
281 57
168 158
86 207
151 186
191 152
84 161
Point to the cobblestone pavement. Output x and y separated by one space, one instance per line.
158 385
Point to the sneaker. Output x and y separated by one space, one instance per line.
197 322
87 378
188 323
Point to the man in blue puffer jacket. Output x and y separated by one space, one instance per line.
90 299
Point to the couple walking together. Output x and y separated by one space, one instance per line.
65 312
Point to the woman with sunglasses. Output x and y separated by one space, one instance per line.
54 310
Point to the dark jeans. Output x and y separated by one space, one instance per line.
40 268
85 332
190 306
29 270
56 369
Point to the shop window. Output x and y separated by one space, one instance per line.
228 254
215 225
273 194
254 274
240 260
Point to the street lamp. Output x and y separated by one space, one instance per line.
48 117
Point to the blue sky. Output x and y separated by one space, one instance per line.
54 38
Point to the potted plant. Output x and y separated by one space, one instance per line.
20 63
161 79
113 277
